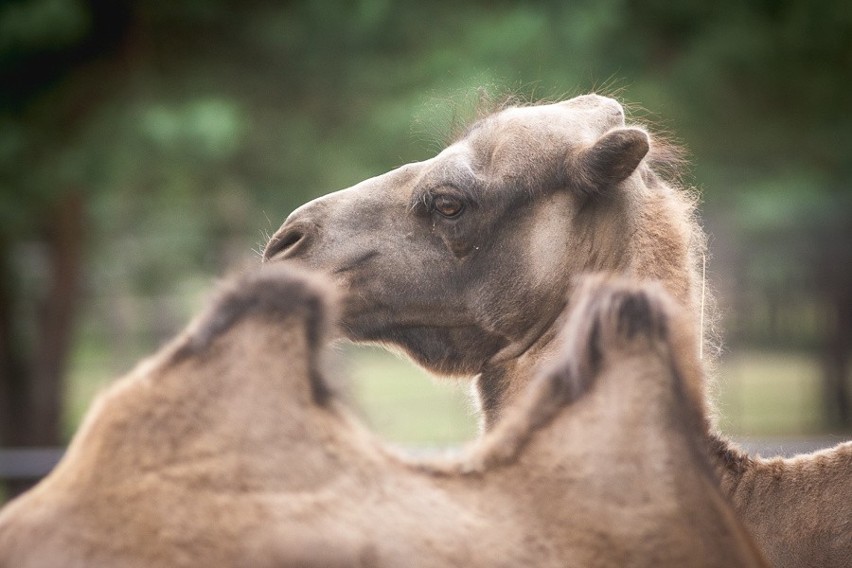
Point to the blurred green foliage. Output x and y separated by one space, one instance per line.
191 128
293 99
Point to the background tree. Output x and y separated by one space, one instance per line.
49 54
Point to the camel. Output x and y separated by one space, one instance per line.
467 262
230 447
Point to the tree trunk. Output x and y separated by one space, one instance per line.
56 319
836 388
10 368
31 376
834 280
13 371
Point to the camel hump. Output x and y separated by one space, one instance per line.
611 317
272 293
620 332
281 296
621 313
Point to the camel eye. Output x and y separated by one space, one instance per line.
448 206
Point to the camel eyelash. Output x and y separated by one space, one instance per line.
425 201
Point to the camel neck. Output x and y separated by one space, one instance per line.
503 380
731 463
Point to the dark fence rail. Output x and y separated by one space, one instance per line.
28 463
34 463
21 468
789 447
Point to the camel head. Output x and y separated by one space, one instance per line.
465 260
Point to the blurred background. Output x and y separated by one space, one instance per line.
148 148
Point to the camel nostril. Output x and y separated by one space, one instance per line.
282 243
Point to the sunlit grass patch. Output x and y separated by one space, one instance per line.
89 374
757 393
403 404
763 393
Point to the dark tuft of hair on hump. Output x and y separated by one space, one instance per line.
637 315
274 292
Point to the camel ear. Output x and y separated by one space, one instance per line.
612 158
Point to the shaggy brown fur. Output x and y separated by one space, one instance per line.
227 449
544 193
798 509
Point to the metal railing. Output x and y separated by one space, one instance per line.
35 463
28 463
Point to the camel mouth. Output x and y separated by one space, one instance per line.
355 264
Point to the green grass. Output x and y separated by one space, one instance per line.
757 394
88 376
399 401
404 404
92 370
767 393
